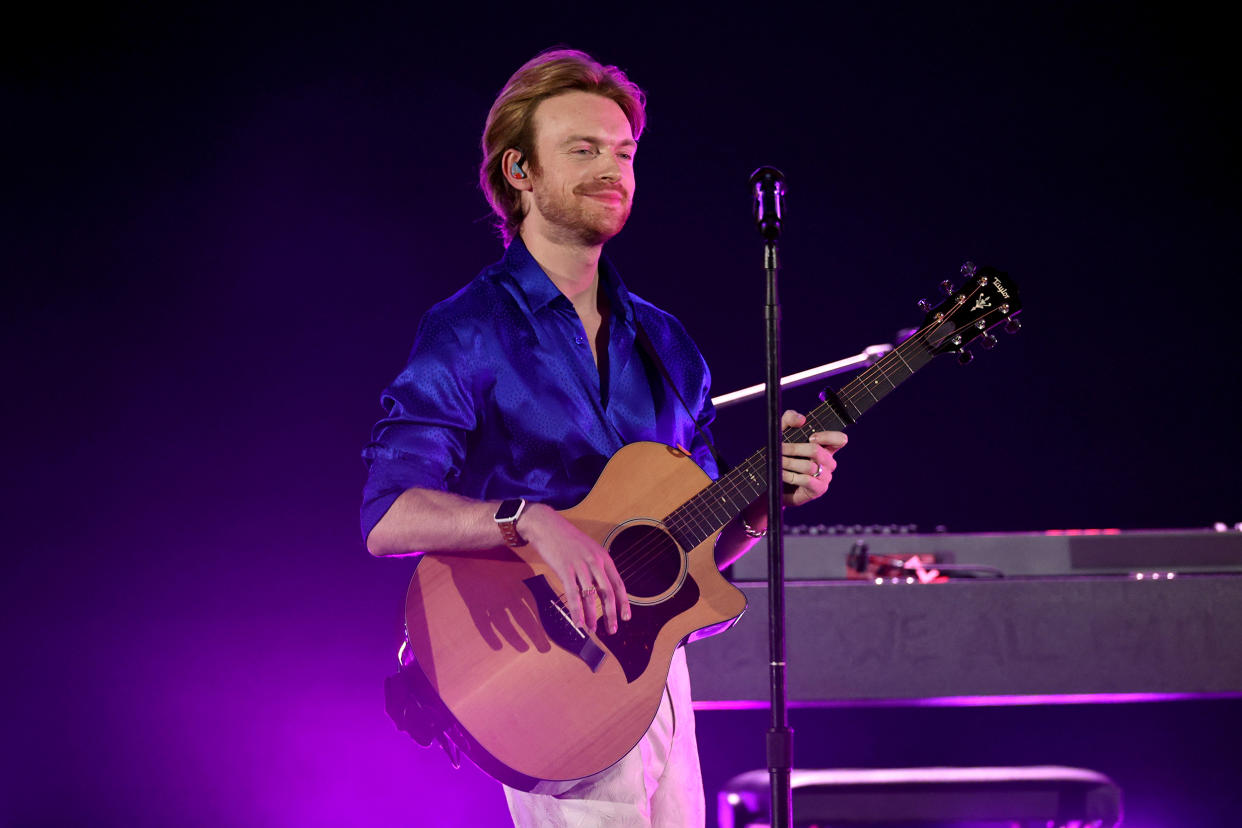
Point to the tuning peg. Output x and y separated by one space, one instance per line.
925 306
987 341
1013 325
964 357
968 270
947 287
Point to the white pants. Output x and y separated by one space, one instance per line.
658 784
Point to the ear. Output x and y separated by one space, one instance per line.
516 169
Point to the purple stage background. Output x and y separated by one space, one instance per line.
219 232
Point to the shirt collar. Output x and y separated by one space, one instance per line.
539 291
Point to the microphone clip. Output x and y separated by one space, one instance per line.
769 190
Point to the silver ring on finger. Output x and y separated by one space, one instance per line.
819 469
588 590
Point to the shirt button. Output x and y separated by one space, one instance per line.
578 340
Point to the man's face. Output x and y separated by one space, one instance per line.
583 187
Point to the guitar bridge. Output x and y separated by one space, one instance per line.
561 630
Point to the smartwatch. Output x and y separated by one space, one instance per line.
507 517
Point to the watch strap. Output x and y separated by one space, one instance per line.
512 509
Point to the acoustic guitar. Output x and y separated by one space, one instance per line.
493 660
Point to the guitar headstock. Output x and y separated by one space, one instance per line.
986 299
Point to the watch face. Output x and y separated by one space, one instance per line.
509 509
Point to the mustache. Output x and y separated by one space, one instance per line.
598 189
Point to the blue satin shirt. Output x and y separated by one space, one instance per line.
501 396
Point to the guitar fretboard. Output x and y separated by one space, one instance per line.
708 511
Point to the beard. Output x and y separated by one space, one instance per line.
580 220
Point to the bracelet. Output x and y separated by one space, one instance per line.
750 530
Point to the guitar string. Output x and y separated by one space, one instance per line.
730 485
703 507
644 553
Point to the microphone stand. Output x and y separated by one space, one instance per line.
769 189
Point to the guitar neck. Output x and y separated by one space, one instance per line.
711 509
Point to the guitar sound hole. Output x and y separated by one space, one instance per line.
647 559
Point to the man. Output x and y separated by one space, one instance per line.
525 382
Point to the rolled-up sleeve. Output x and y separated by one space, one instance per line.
429 413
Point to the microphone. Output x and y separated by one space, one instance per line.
769 185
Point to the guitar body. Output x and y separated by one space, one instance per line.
527 697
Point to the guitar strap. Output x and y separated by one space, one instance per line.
418 711
645 342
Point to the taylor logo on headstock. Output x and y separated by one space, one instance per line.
987 299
